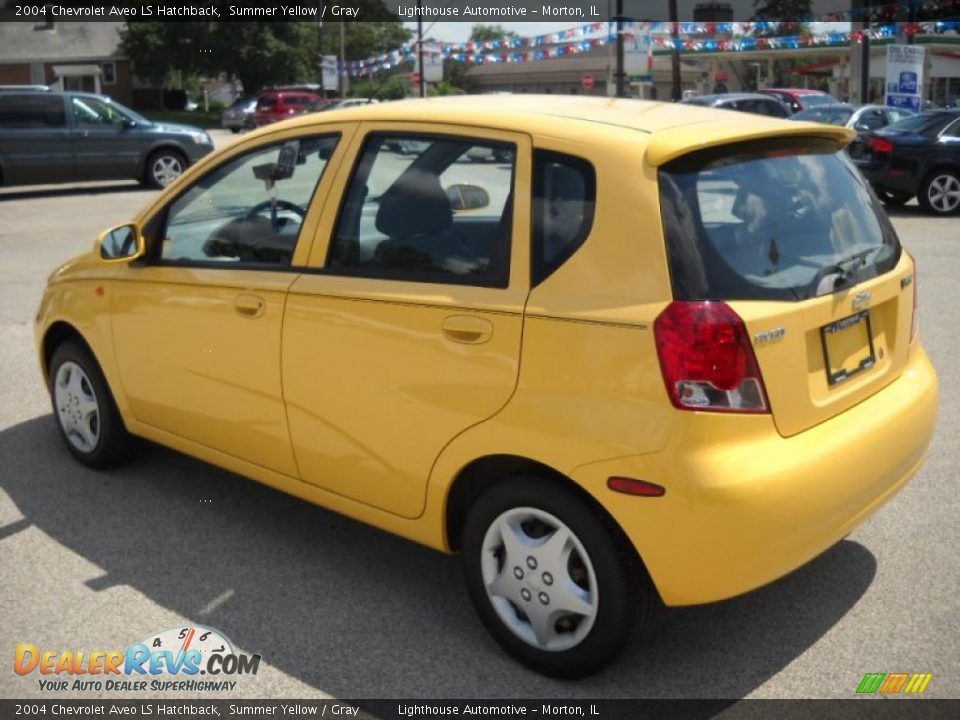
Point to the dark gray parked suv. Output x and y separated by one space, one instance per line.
56 137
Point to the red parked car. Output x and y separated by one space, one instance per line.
274 105
798 99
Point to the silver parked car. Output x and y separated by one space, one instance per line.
864 119
57 137
239 116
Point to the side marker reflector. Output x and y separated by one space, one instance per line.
629 486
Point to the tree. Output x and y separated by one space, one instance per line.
490 33
256 53
791 14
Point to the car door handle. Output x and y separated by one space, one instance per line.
248 305
468 329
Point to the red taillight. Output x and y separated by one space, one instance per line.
879 145
707 360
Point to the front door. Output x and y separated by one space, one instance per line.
407 332
197 328
104 147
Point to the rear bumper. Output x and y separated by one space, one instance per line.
745 506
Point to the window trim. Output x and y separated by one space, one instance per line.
540 270
154 235
427 135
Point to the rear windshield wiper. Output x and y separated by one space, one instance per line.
843 271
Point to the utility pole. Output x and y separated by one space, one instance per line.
911 19
423 91
676 92
323 89
865 56
344 76
621 92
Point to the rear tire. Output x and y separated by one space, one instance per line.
551 580
84 409
235 130
940 192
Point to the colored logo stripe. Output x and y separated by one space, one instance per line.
894 683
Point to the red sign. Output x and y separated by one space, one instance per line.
587 82
415 78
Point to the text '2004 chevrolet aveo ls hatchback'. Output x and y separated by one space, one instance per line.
647 353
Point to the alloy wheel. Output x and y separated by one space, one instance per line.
166 169
943 192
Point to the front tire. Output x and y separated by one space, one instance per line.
163 167
551 580
940 192
84 409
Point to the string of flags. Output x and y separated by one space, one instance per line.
693 38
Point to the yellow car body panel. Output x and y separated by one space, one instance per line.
371 397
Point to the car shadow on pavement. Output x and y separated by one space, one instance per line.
358 613
35 193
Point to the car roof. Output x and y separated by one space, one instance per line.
669 129
720 97
795 91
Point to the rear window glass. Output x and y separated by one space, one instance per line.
811 100
265 103
830 116
925 124
774 220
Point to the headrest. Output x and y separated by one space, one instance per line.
414 205
565 183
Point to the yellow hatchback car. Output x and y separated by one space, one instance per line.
615 353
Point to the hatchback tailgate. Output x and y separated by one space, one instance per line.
821 356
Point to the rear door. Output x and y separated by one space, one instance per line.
788 234
35 144
406 330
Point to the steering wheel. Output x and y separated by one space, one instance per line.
281 205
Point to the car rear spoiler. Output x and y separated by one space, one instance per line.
666 145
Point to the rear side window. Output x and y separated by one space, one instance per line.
432 209
36 110
564 196
773 220
265 103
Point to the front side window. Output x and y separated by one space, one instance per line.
771 220
428 209
91 112
249 210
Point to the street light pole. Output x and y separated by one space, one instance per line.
676 91
420 47
620 79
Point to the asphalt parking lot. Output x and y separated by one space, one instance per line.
97 561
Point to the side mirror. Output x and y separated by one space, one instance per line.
121 244
128 124
467 197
